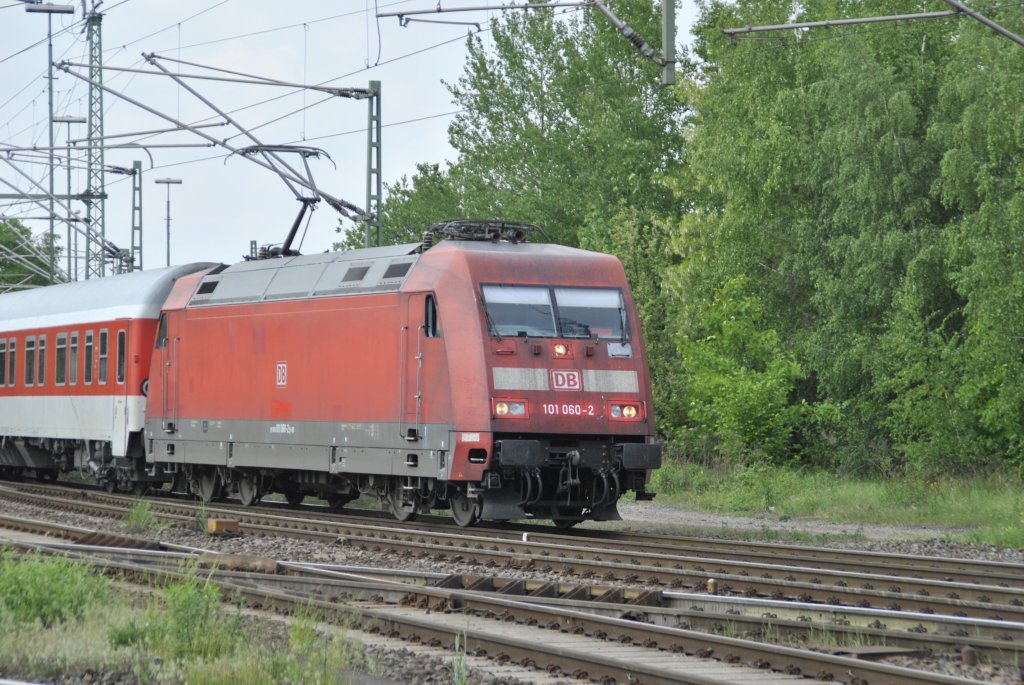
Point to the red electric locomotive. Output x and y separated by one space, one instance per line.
499 378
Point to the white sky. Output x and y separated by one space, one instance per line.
223 203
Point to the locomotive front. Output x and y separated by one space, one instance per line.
563 376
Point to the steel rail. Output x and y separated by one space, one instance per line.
970 571
738 579
998 640
784 582
644 653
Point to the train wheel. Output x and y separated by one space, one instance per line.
465 511
395 506
207 485
294 497
249 489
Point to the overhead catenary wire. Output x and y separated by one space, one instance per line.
263 122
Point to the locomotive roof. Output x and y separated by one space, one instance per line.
365 271
370 270
139 294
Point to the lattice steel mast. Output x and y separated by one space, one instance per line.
95 213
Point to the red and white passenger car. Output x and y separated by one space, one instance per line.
73 363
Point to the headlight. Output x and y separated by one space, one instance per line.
561 349
510 409
624 411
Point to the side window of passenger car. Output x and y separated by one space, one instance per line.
74 359
122 338
88 357
62 359
30 361
103 357
41 376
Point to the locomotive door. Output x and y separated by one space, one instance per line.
169 374
422 359
411 381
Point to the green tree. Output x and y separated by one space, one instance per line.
867 182
563 124
411 205
563 120
23 259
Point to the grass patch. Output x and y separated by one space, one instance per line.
61 619
141 519
990 508
49 591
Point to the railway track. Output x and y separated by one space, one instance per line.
959 593
502 619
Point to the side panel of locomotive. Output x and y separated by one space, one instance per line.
300 375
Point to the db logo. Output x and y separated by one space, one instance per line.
282 374
566 380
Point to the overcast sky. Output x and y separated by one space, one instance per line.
224 202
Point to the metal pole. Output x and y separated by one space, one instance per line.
72 235
49 90
342 206
978 16
168 182
50 9
373 167
68 246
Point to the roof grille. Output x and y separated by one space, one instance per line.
493 230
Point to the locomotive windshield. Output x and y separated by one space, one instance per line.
539 312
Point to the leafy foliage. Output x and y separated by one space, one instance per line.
563 124
16 238
862 181
822 229
48 590
191 624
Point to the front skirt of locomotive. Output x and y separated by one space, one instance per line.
565 480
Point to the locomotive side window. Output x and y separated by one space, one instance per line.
3 363
30 360
88 357
74 358
161 333
41 376
591 313
103 357
12 351
430 318
514 310
121 339
62 359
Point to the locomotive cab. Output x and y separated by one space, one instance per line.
551 402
